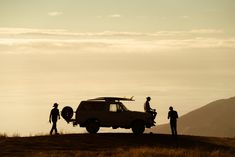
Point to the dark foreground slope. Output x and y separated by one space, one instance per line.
116 144
214 119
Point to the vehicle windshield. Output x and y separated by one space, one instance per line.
122 107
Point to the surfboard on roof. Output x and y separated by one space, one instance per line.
113 99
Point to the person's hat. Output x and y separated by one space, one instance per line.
55 105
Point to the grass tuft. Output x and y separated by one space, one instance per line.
138 152
3 135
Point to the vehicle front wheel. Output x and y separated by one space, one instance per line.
138 127
92 126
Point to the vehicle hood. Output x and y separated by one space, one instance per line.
140 114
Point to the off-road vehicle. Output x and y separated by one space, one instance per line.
107 112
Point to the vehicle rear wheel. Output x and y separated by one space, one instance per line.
92 126
138 127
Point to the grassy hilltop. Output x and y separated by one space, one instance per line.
116 144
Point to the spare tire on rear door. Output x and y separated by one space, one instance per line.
67 113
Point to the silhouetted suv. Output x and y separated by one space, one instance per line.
107 112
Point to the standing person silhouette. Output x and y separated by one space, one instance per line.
54 116
148 109
173 116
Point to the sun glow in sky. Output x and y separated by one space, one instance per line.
179 52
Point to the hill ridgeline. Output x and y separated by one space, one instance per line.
214 119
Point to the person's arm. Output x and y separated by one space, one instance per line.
50 118
168 115
176 115
59 114
151 109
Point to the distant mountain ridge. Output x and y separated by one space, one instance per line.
214 119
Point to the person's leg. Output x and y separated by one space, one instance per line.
154 115
55 128
172 128
51 129
173 131
175 128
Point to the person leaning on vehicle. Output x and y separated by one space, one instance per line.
148 109
54 116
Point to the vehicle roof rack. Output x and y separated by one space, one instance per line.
113 99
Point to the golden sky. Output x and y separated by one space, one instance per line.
179 52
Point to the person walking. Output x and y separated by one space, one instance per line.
148 109
54 116
173 116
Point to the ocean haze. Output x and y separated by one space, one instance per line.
31 83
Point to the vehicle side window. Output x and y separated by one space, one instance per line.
113 108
